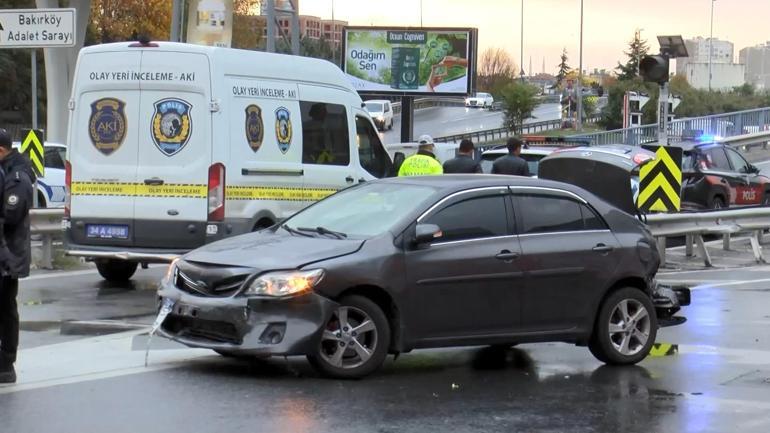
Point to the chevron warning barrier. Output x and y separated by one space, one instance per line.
32 147
660 180
664 349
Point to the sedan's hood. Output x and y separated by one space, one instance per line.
268 250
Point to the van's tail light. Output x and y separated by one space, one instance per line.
216 197
67 188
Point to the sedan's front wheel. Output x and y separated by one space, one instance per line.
355 340
625 329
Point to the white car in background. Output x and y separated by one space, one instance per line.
51 187
481 100
532 155
381 112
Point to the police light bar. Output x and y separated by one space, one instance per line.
557 141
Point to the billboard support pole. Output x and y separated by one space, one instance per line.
176 16
270 26
407 118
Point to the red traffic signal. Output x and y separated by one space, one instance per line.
654 69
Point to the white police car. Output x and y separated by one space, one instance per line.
51 187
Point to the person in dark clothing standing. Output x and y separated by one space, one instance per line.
16 202
511 164
464 162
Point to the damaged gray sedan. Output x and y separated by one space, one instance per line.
401 264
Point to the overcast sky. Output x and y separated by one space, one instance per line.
550 25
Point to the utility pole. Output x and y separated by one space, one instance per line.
580 75
270 26
711 40
176 12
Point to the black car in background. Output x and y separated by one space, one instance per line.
716 176
407 263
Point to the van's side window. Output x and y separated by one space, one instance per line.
324 134
372 155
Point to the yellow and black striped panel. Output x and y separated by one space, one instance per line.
664 349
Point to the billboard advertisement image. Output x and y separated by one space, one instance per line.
406 61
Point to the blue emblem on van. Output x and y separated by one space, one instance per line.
283 129
171 125
107 124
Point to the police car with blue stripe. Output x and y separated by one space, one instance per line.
51 187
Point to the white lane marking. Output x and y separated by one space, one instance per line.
64 274
92 359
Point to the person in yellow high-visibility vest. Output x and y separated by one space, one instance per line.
422 163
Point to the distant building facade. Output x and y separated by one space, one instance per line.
757 61
698 49
725 73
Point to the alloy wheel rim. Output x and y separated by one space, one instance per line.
629 327
349 338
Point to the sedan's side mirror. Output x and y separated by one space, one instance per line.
398 159
426 233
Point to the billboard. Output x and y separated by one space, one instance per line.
410 61
210 22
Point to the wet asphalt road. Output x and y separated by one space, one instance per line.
718 382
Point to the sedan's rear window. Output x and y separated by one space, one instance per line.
552 214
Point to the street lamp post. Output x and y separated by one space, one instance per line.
580 75
711 40
521 60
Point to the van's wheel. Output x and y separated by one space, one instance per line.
116 271
625 329
355 340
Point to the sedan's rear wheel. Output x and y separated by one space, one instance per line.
625 329
355 340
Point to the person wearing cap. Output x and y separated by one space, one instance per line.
463 162
511 164
17 191
422 163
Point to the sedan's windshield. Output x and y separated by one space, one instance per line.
374 107
362 212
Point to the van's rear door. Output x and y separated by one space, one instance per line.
175 150
103 141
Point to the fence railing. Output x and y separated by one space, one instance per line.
722 125
47 224
485 136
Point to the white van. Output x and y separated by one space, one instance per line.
172 146
381 112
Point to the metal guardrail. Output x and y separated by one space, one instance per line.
487 135
694 225
725 125
47 224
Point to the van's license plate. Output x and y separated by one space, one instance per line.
107 231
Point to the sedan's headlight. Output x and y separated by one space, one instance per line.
170 271
284 283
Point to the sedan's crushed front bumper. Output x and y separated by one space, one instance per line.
668 300
246 325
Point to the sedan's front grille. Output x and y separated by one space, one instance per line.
199 329
224 287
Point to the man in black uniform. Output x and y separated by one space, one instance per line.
464 162
16 202
512 163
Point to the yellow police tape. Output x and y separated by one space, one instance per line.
664 349
128 189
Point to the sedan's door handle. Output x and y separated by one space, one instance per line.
153 181
507 256
349 179
601 248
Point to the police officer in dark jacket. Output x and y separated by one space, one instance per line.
511 164
16 202
464 162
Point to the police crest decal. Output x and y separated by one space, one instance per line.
171 125
255 129
107 124
283 128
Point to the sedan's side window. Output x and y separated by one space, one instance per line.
739 164
549 214
474 218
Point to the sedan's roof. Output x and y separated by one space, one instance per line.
458 182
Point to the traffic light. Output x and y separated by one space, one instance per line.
654 69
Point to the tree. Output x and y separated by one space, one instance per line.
519 101
564 68
122 20
637 49
247 25
612 114
496 70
